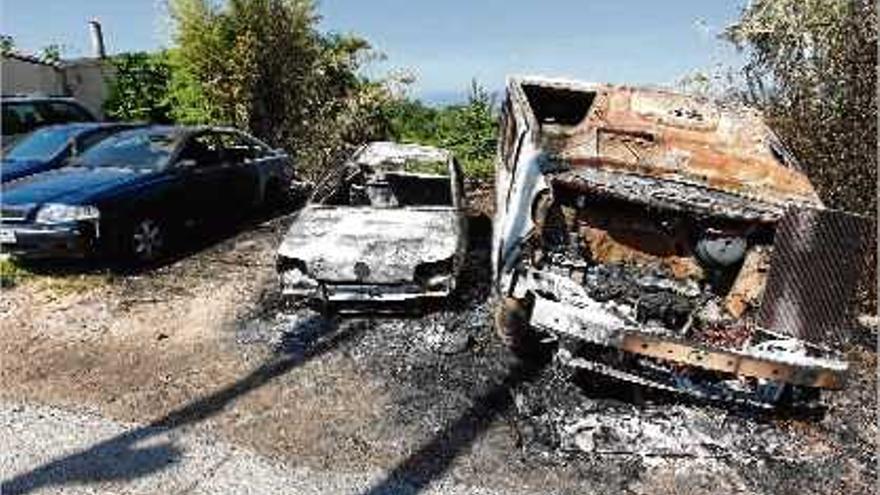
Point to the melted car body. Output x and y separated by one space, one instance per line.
385 226
649 234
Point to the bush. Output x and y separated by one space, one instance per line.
469 130
139 90
262 66
812 70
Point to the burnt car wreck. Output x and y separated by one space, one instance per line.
386 226
667 241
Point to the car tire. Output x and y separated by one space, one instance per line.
513 328
144 241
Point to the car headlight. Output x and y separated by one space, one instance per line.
295 278
61 213
436 275
293 275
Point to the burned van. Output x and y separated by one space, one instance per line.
387 226
669 241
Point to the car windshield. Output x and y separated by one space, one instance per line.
387 185
142 149
43 144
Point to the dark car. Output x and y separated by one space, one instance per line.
52 147
24 114
130 193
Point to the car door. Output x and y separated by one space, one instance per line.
201 166
243 158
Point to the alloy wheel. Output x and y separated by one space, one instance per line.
147 240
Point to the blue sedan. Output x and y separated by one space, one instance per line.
52 147
130 193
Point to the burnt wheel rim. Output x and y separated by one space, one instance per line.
147 239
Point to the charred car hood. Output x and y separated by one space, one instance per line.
678 139
385 244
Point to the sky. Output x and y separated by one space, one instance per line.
445 43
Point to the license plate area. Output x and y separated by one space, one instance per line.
7 236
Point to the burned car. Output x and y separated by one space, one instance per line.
385 226
668 241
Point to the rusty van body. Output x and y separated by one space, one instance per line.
667 240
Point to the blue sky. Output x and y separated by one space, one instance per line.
446 43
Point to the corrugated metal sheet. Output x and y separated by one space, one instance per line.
817 260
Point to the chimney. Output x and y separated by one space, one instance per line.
97 39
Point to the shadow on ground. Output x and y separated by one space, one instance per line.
429 463
119 458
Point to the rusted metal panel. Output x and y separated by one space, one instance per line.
818 256
669 194
665 135
748 287
812 373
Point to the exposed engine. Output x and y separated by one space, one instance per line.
694 277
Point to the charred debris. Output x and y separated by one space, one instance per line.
670 242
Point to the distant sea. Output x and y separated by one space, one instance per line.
447 97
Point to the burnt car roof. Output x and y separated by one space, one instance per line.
391 155
660 134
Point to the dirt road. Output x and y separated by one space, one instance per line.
195 378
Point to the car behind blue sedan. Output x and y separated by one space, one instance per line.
130 193
52 147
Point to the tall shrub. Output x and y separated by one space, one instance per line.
469 130
263 66
139 88
812 69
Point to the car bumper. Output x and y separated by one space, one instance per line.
33 241
596 324
365 293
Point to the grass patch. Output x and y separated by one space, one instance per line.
479 169
57 280
12 273
65 285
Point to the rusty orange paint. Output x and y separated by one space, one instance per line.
676 137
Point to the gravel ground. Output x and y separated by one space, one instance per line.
196 378
80 452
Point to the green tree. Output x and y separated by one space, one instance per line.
140 88
51 53
7 44
469 130
263 66
812 70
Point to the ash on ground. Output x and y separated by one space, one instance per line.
442 365
451 380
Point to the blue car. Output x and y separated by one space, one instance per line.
128 195
52 147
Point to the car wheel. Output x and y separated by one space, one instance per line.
513 328
146 241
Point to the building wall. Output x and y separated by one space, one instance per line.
20 76
83 79
87 82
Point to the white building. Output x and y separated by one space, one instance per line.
84 79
